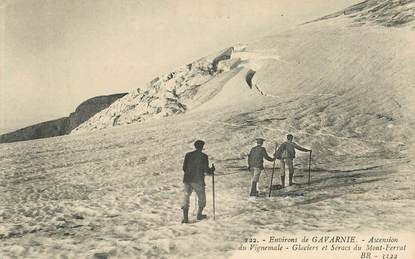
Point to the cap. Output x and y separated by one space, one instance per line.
199 143
260 140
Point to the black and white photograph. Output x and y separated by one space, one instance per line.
207 129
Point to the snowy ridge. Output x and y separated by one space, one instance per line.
389 13
182 90
163 96
349 97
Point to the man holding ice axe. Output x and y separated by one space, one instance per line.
286 155
256 164
195 166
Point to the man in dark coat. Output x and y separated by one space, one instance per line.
286 155
195 166
256 164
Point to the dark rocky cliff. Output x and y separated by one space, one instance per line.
46 129
89 108
62 126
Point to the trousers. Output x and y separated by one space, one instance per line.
256 173
289 162
188 188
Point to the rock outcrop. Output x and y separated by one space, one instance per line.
46 129
65 125
89 108
389 13
173 93
188 88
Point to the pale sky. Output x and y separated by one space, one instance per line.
54 54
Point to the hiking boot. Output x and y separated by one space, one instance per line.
253 189
201 216
261 194
290 180
185 215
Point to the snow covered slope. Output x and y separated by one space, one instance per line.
333 83
163 96
183 90
345 91
363 76
389 13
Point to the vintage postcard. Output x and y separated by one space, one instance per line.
207 129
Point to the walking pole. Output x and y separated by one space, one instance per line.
213 190
273 170
309 168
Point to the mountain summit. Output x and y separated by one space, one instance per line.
326 78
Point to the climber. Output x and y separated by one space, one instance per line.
286 154
195 166
256 164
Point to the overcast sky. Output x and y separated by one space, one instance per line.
54 54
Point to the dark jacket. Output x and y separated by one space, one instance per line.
195 165
256 157
287 150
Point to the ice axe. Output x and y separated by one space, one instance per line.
213 188
273 170
309 168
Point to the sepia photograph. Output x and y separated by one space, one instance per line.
207 129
